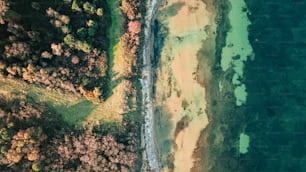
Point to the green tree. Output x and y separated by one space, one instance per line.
89 8
36 167
75 5
91 31
69 40
83 46
67 1
4 136
91 23
99 12
82 33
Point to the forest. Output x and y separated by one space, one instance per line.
64 47
34 137
60 44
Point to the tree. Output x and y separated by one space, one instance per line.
99 12
65 19
92 27
75 6
36 167
69 40
83 46
57 49
4 6
134 27
26 142
4 136
92 23
75 60
17 49
89 8
91 31
82 33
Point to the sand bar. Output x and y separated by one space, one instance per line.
176 81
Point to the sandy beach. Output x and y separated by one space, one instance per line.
177 89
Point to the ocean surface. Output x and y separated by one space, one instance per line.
256 96
262 48
275 117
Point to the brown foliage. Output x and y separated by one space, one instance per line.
134 27
93 95
4 6
31 45
130 8
57 49
17 49
64 151
46 55
75 60
26 143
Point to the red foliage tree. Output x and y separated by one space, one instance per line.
134 27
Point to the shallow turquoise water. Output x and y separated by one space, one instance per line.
238 48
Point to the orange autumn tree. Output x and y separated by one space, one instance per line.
25 144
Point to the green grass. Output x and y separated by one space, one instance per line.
116 29
114 33
77 113
73 109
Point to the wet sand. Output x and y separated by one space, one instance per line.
177 89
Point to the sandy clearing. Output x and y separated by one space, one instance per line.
118 62
176 77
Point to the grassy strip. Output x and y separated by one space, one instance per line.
72 108
115 31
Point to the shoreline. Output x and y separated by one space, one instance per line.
150 160
180 85
220 140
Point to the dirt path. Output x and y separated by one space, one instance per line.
150 155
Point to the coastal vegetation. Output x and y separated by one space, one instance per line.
63 103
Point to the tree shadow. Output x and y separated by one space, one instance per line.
114 33
75 114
